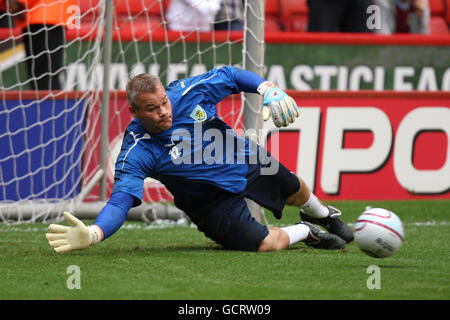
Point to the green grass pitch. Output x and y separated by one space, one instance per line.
179 262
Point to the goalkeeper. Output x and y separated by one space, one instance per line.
160 143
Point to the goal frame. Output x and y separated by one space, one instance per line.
253 60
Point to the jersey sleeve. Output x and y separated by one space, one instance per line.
220 84
130 184
132 167
247 81
114 213
230 80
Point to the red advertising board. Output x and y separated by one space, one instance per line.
370 145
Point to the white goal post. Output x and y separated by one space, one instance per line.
58 145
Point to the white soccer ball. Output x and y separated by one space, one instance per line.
379 232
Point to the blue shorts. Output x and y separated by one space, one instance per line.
226 218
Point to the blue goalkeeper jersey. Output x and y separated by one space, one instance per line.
197 153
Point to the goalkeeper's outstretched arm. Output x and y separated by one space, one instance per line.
79 236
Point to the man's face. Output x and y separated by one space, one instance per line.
154 111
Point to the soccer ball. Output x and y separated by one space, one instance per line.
379 232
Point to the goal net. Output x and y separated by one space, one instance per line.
64 110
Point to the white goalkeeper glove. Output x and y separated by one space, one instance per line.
78 236
277 104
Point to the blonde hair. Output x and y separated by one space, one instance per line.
142 83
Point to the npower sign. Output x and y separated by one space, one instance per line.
369 146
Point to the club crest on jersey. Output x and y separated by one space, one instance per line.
198 114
